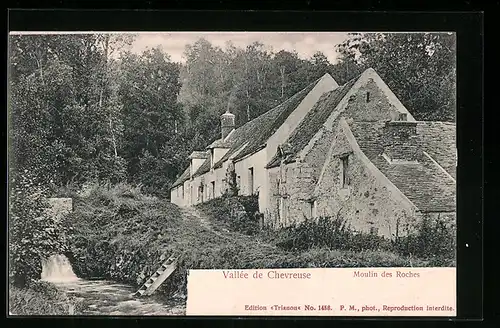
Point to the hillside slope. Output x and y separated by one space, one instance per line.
122 235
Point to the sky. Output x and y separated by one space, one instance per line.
305 43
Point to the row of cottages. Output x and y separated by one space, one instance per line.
352 152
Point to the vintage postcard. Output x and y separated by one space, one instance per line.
232 174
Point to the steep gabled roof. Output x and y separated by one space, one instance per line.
312 122
239 137
424 184
219 143
267 128
251 135
255 133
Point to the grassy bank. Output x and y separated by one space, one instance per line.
432 244
40 299
121 234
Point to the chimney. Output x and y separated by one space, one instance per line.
226 123
399 140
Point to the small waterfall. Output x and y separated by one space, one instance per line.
57 269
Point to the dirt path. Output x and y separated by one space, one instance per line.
192 213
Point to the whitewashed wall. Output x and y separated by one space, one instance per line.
258 161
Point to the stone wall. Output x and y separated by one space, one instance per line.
356 107
448 218
316 155
367 203
291 189
271 213
377 107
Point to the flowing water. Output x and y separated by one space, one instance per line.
102 297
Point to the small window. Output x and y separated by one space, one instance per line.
250 180
344 171
213 189
367 97
314 207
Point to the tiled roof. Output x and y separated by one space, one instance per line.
198 154
254 133
257 131
219 143
312 122
182 178
438 139
424 183
244 133
267 128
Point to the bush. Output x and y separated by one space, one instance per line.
329 233
434 239
237 213
41 298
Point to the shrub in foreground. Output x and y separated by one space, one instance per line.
41 298
237 213
329 233
434 240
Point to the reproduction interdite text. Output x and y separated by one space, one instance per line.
328 292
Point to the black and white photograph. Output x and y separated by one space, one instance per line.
135 157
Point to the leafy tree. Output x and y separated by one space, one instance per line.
64 115
151 115
33 234
419 67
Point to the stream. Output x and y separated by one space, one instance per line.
103 297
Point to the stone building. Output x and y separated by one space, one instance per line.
352 152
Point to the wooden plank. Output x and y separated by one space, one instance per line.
159 276
168 271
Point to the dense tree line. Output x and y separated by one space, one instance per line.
83 109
